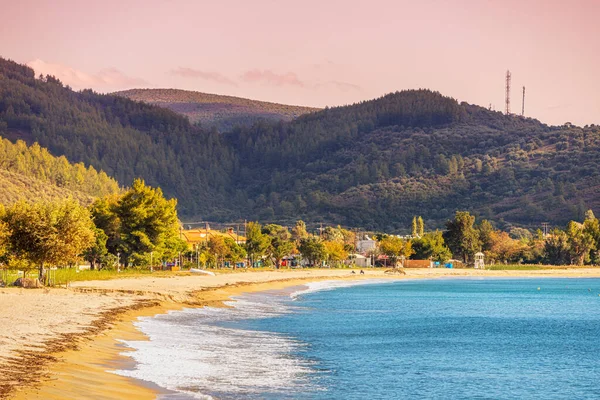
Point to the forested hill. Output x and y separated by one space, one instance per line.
32 173
222 112
372 165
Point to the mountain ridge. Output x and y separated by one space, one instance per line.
221 111
374 164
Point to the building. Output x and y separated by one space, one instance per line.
366 245
479 264
194 237
359 261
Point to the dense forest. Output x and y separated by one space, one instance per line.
372 165
213 110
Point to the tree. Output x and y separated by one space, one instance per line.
420 227
414 229
49 233
148 223
217 247
556 248
335 252
96 253
313 250
394 248
104 214
462 238
504 248
299 231
431 247
580 242
4 236
592 227
280 243
234 252
485 235
257 242
589 215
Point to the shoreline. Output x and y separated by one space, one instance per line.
74 365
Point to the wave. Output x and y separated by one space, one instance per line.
320 286
204 354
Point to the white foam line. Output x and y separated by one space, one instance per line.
321 286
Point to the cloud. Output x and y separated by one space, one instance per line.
107 78
341 86
271 78
206 75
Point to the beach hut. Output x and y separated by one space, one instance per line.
479 264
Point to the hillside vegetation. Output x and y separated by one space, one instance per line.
372 165
222 112
32 173
15 187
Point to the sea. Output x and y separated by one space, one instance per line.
425 339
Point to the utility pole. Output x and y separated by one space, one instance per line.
545 228
507 99
523 104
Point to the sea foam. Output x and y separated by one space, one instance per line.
320 286
200 353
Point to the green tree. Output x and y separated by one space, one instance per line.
148 223
462 238
280 245
313 250
420 227
4 236
415 229
580 242
234 252
49 233
105 217
96 253
556 248
431 247
485 235
257 242
299 231
217 247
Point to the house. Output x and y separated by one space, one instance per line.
198 236
365 245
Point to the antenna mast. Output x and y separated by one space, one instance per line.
523 106
507 92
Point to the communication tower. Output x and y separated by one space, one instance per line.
507 92
523 104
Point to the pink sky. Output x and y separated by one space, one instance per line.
322 52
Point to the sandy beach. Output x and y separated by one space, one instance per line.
60 343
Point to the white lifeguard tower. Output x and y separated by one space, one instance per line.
479 264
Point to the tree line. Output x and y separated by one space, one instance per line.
129 229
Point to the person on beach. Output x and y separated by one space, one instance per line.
362 272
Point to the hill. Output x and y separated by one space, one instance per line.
31 173
15 187
372 165
223 112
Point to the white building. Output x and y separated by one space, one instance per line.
365 245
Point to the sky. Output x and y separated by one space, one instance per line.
321 53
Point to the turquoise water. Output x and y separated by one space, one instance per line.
453 338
